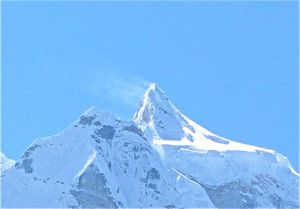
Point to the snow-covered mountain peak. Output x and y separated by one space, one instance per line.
153 97
97 117
92 111
157 113
162 159
161 119
155 93
165 125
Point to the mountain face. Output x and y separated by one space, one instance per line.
161 159
5 163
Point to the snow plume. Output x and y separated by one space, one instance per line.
117 86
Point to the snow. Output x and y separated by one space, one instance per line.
130 171
215 160
89 161
194 137
160 159
6 163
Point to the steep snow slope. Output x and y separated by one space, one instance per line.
99 161
161 159
233 174
5 162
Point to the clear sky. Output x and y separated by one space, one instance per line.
230 66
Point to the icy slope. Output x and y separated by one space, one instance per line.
233 174
99 161
5 162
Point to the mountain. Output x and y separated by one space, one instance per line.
5 162
234 175
160 159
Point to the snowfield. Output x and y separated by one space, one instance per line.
160 159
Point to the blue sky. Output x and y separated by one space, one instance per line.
230 66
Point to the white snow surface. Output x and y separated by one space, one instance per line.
6 163
208 158
161 159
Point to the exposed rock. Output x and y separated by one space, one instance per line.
86 120
92 190
30 150
133 129
231 195
152 174
106 132
26 164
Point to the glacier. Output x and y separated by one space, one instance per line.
159 159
